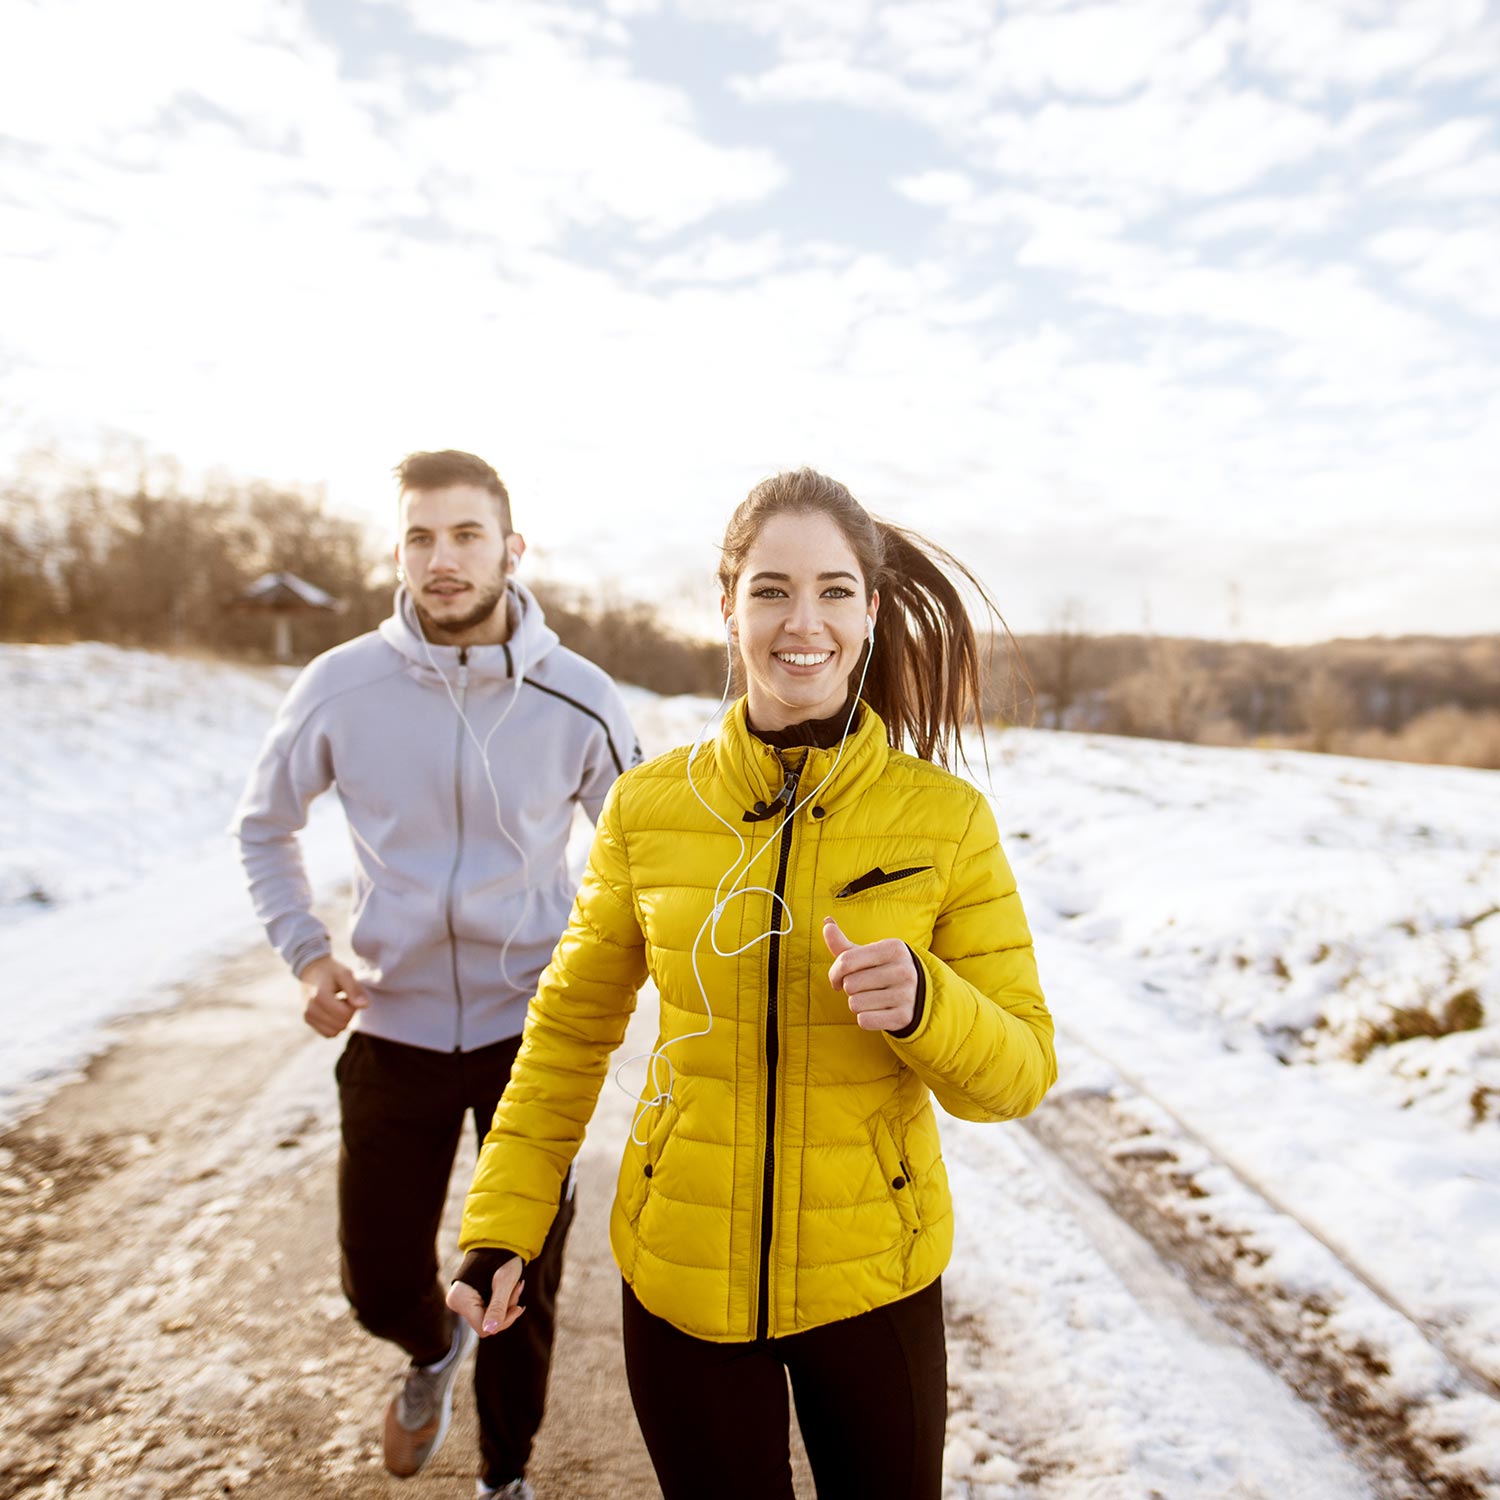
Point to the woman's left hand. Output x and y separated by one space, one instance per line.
880 979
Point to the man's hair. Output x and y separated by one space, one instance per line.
436 471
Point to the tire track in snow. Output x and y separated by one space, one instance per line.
1417 1417
1433 1333
1082 1368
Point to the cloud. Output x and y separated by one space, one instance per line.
1342 44
1457 266
937 189
1271 218
1151 306
1454 143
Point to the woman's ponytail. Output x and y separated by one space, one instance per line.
926 678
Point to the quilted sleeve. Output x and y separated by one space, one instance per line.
984 1041
583 1003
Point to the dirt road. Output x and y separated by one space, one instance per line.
171 1323
170 1317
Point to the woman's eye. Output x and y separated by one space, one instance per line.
838 591
768 591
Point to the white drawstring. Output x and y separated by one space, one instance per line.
484 761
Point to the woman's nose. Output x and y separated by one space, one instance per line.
805 618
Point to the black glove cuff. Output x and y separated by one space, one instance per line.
921 1005
479 1267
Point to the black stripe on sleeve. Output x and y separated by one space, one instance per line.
583 708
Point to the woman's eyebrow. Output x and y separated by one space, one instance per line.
787 577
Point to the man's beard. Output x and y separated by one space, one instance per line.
487 598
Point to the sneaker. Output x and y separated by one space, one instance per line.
517 1489
416 1421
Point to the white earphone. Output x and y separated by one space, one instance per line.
483 747
661 1075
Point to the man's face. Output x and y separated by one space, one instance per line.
453 553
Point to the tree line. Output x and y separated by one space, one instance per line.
1426 698
164 571
157 568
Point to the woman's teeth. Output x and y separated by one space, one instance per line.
803 658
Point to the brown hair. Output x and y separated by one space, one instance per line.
925 677
436 471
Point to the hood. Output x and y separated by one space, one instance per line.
531 639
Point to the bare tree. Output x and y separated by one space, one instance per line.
1326 707
1056 659
1170 697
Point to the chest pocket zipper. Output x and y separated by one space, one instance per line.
873 879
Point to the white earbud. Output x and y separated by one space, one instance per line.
728 627
870 628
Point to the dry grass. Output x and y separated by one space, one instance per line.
1461 1012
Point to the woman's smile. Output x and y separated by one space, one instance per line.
803 662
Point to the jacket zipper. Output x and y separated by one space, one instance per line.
458 851
773 1052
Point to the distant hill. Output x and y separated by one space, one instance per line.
1427 698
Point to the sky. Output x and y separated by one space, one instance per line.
1168 314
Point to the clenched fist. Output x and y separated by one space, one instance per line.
332 995
880 979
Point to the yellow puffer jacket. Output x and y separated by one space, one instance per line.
795 1176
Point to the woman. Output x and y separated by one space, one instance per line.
835 936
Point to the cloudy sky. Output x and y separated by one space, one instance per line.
1184 310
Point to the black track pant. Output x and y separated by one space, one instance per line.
871 1393
402 1112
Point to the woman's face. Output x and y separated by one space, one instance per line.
800 617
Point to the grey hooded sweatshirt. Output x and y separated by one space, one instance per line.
441 882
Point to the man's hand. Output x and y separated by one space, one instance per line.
505 1300
880 979
332 995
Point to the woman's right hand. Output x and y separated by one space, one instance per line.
504 1306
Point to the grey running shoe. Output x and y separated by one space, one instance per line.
416 1421
517 1489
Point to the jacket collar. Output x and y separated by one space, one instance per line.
754 773
531 638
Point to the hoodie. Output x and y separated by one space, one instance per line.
461 885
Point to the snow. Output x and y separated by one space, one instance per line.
119 771
1226 938
1106 1379
1180 931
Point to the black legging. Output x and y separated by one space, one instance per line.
403 1111
871 1393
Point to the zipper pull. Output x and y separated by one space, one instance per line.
463 668
763 810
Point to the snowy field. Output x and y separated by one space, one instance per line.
1233 943
118 774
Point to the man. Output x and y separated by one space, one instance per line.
459 736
